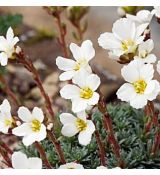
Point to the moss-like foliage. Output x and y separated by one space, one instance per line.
129 130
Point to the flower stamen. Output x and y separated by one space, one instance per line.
81 125
128 45
79 64
35 125
8 122
140 86
86 93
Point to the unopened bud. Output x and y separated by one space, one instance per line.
18 123
18 49
49 126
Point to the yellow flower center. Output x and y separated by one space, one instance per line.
8 122
140 86
35 125
128 45
79 64
86 93
81 125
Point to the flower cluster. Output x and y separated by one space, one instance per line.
81 92
130 43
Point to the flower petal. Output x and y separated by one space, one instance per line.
3 128
93 81
76 51
34 163
69 130
84 138
65 64
155 92
35 136
124 29
19 160
81 78
5 107
146 72
130 72
79 104
90 127
67 75
87 50
94 99
139 101
126 92
24 114
22 130
10 35
70 91
66 118
37 113
3 59
109 41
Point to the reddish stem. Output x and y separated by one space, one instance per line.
62 32
43 155
30 67
109 128
57 146
101 148
8 90
5 157
5 146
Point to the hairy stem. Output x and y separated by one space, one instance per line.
101 147
62 32
5 157
30 67
8 91
43 155
109 128
57 146
5 146
149 112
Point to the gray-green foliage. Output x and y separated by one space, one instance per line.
129 130
8 20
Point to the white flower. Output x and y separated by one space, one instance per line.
6 120
82 56
83 95
32 129
158 67
144 51
7 46
20 161
73 125
156 11
71 165
140 87
143 16
124 39
101 167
